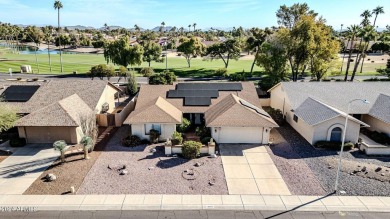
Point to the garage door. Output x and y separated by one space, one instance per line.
48 134
241 135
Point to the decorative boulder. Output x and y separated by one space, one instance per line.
50 177
123 172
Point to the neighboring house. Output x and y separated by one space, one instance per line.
52 110
317 110
231 110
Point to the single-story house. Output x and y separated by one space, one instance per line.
52 110
232 111
317 110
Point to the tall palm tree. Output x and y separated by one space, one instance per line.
378 10
58 6
366 15
47 31
162 26
194 25
367 34
181 30
352 32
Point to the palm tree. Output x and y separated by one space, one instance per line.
194 25
162 26
378 10
189 28
181 30
61 147
367 34
366 15
87 144
47 31
57 6
352 32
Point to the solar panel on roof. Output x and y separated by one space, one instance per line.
16 93
192 93
210 86
197 101
251 106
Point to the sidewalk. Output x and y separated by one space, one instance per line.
197 202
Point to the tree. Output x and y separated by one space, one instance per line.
164 78
86 141
191 48
367 34
254 42
385 71
366 15
352 33
47 36
61 147
273 58
36 36
230 49
57 6
189 28
194 25
288 16
323 48
132 84
152 52
120 52
8 116
378 10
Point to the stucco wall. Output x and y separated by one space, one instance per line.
322 131
108 96
279 99
50 134
376 124
301 126
166 131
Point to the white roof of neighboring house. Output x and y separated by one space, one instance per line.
339 94
314 112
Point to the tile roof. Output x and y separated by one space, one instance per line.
150 93
50 92
159 111
381 108
338 94
66 112
233 111
314 112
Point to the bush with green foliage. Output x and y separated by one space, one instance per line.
203 132
163 78
17 142
277 115
154 135
147 72
205 140
239 76
177 138
334 145
132 86
131 141
184 126
191 149
221 72
381 138
101 71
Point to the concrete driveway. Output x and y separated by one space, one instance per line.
250 170
24 166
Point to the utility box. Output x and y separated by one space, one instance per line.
25 69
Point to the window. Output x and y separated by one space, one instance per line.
149 127
295 118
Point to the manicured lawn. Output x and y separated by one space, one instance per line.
83 62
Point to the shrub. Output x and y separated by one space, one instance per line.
147 72
381 138
191 149
205 140
131 141
238 77
184 126
35 79
203 132
222 72
334 145
157 79
132 86
154 135
170 77
177 138
18 79
17 142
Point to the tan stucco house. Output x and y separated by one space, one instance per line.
317 110
52 110
232 111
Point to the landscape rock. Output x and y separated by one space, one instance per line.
213 156
123 172
51 177
153 150
363 169
150 168
378 169
198 164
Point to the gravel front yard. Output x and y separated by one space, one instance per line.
308 171
151 173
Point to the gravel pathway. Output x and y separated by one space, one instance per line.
318 162
151 173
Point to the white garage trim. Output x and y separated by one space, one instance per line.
250 135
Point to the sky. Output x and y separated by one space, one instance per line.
180 13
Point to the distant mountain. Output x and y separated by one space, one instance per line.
166 28
218 28
80 27
111 28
